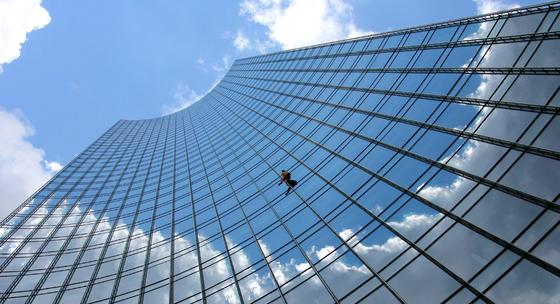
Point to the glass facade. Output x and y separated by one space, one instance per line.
428 169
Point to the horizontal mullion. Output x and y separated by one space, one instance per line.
554 270
553 6
525 196
439 70
471 42
457 99
462 133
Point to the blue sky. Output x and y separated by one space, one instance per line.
85 64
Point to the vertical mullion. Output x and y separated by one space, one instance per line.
544 210
195 226
153 219
46 240
115 224
253 235
83 250
95 146
405 190
296 242
386 225
124 258
326 223
217 213
83 217
173 210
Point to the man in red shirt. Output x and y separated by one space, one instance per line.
286 177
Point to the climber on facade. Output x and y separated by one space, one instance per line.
286 177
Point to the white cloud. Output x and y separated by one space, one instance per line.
496 212
296 23
491 6
17 19
487 7
391 245
442 194
325 253
263 46
533 174
224 66
52 166
161 247
476 154
241 42
415 221
411 223
23 167
342 274
183 97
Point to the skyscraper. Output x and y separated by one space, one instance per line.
428 168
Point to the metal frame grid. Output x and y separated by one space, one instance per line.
379 131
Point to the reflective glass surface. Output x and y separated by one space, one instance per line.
428 169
